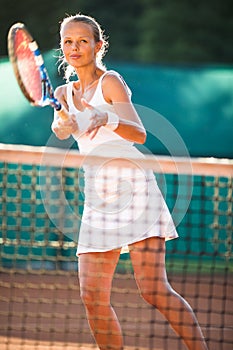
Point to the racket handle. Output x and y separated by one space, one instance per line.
63 113
60 110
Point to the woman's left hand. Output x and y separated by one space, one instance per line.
97 119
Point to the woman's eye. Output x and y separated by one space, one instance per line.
68 41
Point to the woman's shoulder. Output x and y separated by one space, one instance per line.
62 94
110 74
61 89
114 79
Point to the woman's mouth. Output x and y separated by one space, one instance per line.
75 56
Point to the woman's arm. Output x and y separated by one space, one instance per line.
63 128
129 125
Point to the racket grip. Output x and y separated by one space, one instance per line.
63 113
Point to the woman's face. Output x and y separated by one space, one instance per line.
78 44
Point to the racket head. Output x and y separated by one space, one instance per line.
28 66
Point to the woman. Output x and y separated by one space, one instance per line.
104 121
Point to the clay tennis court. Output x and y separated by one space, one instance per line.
44 311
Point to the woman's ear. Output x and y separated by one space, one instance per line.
98 46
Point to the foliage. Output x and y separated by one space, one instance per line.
183 31
168 31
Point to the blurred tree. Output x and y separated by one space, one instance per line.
181 31
168 31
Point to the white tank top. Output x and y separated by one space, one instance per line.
106 142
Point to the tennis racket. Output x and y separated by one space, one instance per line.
30 71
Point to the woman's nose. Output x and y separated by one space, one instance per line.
75 45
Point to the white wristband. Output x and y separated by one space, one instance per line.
113 121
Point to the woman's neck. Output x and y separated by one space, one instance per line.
87 78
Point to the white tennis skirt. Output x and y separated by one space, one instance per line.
121 206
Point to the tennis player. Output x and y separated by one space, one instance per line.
127 213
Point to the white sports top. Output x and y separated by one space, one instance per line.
106 142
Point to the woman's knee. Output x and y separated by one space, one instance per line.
150 297
94 298
87 297
158 297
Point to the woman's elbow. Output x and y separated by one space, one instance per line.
141 139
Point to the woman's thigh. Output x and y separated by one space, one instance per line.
148 260
96 272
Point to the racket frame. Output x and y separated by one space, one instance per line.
47 95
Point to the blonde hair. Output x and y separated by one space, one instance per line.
98 36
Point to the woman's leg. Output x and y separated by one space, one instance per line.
95 274
148 260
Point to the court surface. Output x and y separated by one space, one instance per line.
45 312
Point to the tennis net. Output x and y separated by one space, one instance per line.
41 207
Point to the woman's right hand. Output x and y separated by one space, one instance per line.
64 128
